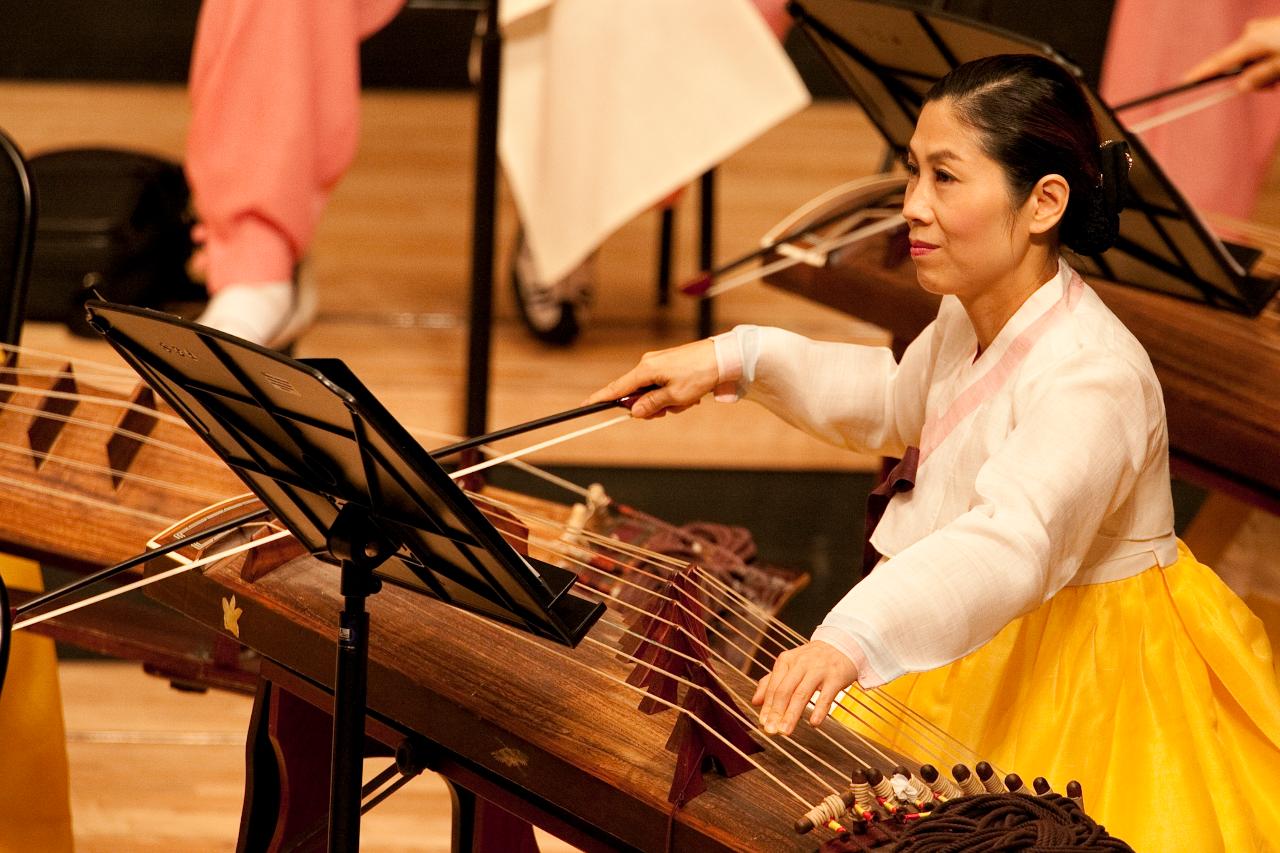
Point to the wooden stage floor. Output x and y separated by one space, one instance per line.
391 264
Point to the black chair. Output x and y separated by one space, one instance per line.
17 237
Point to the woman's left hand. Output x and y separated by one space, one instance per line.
815 667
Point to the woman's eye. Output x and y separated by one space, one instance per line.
912 169
943 177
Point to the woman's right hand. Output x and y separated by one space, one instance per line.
683 374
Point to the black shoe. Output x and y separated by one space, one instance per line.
554 312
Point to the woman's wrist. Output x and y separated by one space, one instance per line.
728 366
848 645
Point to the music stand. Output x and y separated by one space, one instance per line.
355 489
888 54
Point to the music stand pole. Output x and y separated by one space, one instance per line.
355 540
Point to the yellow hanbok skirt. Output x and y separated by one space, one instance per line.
1157 693
35 804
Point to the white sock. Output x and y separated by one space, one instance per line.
255 312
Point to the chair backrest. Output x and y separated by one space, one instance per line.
17 237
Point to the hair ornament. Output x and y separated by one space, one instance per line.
1115 161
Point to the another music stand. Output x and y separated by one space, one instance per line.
355 489
890 53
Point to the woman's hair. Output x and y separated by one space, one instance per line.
1034 120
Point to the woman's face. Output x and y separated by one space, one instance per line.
965 232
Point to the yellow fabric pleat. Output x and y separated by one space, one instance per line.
1157 693
35 804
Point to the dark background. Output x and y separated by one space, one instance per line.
424 47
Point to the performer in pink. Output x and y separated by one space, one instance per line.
275 118
1258 45
1219 157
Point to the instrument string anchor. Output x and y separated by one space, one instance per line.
969 784
829 811
1075 793
883 791
990 781
1015 785
864 803
942 787
910 788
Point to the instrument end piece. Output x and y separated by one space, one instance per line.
697 286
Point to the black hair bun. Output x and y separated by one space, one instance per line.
1092 222
1090 225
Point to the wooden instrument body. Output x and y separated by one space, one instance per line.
540 724
1220 371
553 734
62 504
63 430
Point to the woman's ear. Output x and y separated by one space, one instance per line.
1047 203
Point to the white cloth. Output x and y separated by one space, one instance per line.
1044 462
608 106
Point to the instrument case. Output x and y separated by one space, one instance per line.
110 221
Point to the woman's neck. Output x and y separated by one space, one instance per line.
991 307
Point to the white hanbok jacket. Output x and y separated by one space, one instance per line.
1043 463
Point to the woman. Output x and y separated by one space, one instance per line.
1033 600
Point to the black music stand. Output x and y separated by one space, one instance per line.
355 489
889 53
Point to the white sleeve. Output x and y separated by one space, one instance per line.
1074 455
846 394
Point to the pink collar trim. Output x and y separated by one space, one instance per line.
936 431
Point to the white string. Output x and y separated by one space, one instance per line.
728 642
109 506
905 714
567 485
699 575
826 246
90 398
645 694
51 373
542 445
112 593
555 546
743 717
118 369
901 713
79 465
114 430
889 704
1185 110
